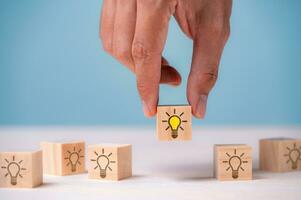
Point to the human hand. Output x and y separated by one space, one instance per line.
135 31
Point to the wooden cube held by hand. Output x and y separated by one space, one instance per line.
110 161
21 169
174 122
63 158
233 162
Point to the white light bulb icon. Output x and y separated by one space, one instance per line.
235 163
13 169
73 158
294 155
103 163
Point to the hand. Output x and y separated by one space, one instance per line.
135 31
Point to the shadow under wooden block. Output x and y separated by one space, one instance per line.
174 122
233 162
280 154
21 169
63 158
110 161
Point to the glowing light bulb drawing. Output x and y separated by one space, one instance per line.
14 169
235 163
294 155
102 163
73 159
174 123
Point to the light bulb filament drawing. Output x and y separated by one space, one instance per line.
102 162
14 169
74 158
294 155
235 163
174 123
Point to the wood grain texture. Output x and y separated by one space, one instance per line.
21 169
110 161
174 122
280 154
233 162
61 158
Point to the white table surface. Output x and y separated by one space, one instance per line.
161 170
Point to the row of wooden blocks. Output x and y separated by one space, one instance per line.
114 161
26 169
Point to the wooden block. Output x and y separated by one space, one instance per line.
174 122
21 169
280 154
110 161
233 162
63 158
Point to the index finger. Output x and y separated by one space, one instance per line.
149 40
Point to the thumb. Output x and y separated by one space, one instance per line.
207 52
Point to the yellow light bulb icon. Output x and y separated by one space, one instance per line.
174 123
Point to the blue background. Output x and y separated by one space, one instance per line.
53 70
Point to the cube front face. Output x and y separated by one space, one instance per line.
233 162
109 162
290 156
174 122
63 158
73 158
21 169
280 155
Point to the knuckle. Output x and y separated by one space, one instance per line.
209 77
123 54
206 79
139 52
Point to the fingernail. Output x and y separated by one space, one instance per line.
146 109
201 107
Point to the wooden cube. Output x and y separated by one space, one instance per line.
110 161
280 154
233 162
174 122
21 169
63 158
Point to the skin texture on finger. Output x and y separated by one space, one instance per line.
107 21
149 40
124 30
